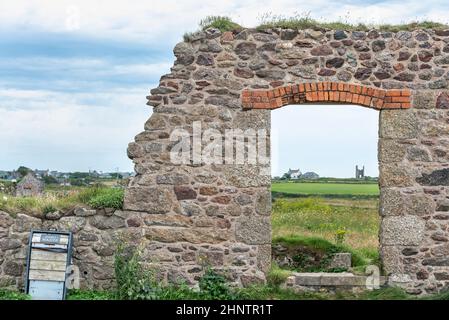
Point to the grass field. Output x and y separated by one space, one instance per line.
354 222
317 188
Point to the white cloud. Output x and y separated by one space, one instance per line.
9 94
44 100
70 137
100 67
70 131
167 20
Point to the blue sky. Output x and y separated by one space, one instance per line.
74 76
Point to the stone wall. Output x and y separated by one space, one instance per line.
94 233
95 236
232 80
414 205
194 214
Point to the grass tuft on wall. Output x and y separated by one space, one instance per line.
305 21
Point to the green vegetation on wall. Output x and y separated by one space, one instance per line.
304 21
53 200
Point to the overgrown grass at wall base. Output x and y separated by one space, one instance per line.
13 295
76 294
277 276
51 201
137 282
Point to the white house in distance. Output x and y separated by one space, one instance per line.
294 174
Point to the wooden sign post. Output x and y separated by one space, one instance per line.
49 256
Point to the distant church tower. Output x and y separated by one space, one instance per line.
359 173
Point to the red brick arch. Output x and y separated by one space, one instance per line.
326 92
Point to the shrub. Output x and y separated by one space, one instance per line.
219 22
320 245
134 282
213 286
50 180
277 276
340 235
60 199
12 295
107 198
49 208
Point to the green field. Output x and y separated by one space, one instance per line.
323 210
324 218
317 188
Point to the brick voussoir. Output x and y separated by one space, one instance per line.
339 92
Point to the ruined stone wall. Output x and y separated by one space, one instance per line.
414 203
95 235
233 79
194 214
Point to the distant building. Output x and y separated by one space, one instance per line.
310 176
94 174
12 176
359 173
41 173
29 186
294 174
4 175
54 174
105 175
125 175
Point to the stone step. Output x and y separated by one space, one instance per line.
321 280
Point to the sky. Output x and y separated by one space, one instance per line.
74 76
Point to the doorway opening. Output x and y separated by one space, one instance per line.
325 193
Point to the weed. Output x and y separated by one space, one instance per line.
90 295
321 247
107 198
134 281
213 286
340 235
13 295
49 208
221 23
53 200
443 295
277 276
387 293
304 21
